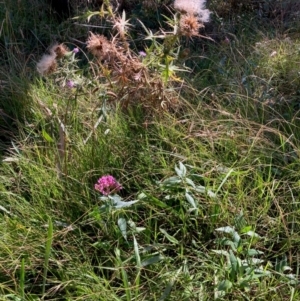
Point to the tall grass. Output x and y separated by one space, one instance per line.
209 208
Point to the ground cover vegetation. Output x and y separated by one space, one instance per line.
149 150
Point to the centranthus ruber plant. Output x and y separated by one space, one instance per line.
108 186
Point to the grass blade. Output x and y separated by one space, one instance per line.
47 254
22 280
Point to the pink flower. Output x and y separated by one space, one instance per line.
75 50
107 185
70 83
142 53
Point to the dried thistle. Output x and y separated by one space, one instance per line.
47 64
193 7
189 25
121 25
60 50
100 47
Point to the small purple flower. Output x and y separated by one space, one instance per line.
107 185
142 53
70 84
75 50
226 40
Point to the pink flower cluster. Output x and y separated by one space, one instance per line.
107 185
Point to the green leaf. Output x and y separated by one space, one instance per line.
171 181
230 230
181 170
245 229
157 202
167 291
253 252
225 285
134 228
226 229
281 265
46 136
191 200
151 260
221 252
202 189
190 182
169 237
252 234
136 252
117 202
123 227
233 262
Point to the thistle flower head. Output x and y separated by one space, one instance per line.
193 7
107 185
189 25
99 46
60 50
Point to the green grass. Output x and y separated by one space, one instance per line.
227 156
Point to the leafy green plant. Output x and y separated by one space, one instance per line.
245 266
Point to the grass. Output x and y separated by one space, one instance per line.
214 182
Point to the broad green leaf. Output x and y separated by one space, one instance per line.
233 262
202 189
236 238
191 200
123 226
225 285
117 202
190 182
226 229
133 226
180 170
171 181
230 230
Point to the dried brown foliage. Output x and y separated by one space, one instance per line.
131 82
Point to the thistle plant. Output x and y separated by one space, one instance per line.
61 63
132 79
